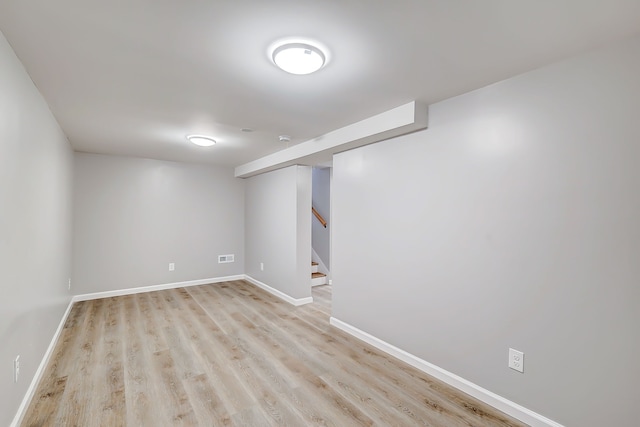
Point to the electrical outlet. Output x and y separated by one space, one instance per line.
16 368
172 266
262 266
516 360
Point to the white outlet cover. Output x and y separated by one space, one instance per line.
172 266
516 360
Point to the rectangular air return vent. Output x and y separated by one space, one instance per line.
225 258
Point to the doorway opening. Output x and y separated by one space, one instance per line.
321 231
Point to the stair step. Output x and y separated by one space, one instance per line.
314 263
318 279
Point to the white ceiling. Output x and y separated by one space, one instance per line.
134 77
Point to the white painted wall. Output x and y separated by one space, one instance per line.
278 230
35 228
321 200
135 216
513 221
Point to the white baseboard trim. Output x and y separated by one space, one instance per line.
26 400
131 291
279 294
508 407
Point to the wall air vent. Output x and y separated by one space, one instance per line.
222 259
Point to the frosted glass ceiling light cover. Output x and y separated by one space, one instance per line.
201 140
299 58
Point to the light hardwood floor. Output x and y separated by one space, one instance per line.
232 354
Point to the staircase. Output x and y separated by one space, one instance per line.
317 278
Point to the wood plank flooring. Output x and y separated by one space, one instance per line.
231 354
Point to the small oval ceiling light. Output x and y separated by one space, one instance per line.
201 140
298 58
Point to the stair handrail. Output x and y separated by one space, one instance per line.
319 217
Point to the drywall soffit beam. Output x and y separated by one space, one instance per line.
401 120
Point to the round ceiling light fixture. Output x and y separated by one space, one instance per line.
299 58
201 140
